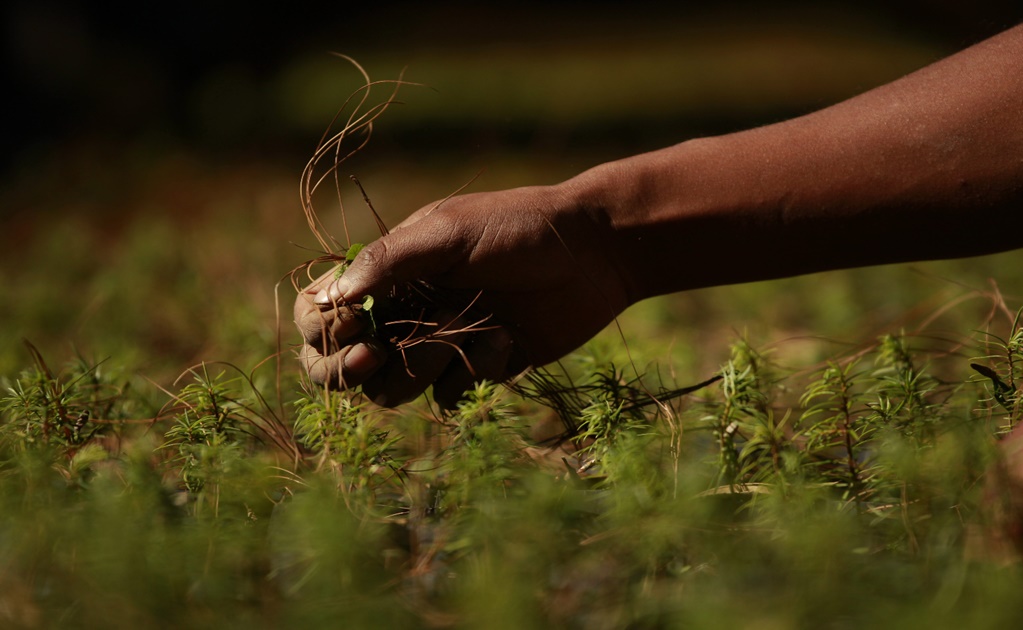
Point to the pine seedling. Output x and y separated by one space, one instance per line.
485 449
903 391
612 415
836 435
1003 379
744 404
43 408
769 454
208 430
346 438
602 425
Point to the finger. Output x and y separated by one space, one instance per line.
344 369
416 364
428 247
318 321
329 330
320 294
485 357
309 294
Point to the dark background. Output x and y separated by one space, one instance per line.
123 70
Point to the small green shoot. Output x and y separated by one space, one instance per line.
353 251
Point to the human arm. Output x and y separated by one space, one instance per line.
922 168
929 166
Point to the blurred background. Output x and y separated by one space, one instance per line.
149 190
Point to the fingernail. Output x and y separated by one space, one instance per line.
339 290
361 359
333 294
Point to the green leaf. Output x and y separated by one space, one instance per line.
353 251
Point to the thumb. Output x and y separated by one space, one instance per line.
425 248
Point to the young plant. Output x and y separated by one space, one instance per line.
1003 380
838 430
742 413
484 450
73 419
214 426
347 439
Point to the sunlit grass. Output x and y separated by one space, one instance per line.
199 516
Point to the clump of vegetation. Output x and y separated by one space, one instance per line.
762 495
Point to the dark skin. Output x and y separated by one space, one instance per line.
938 154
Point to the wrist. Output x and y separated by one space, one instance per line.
674 213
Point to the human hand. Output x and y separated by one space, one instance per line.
537 266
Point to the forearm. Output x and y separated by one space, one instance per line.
929 166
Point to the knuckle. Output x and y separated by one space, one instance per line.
372 271
374 255
328 329
322 370
313 327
